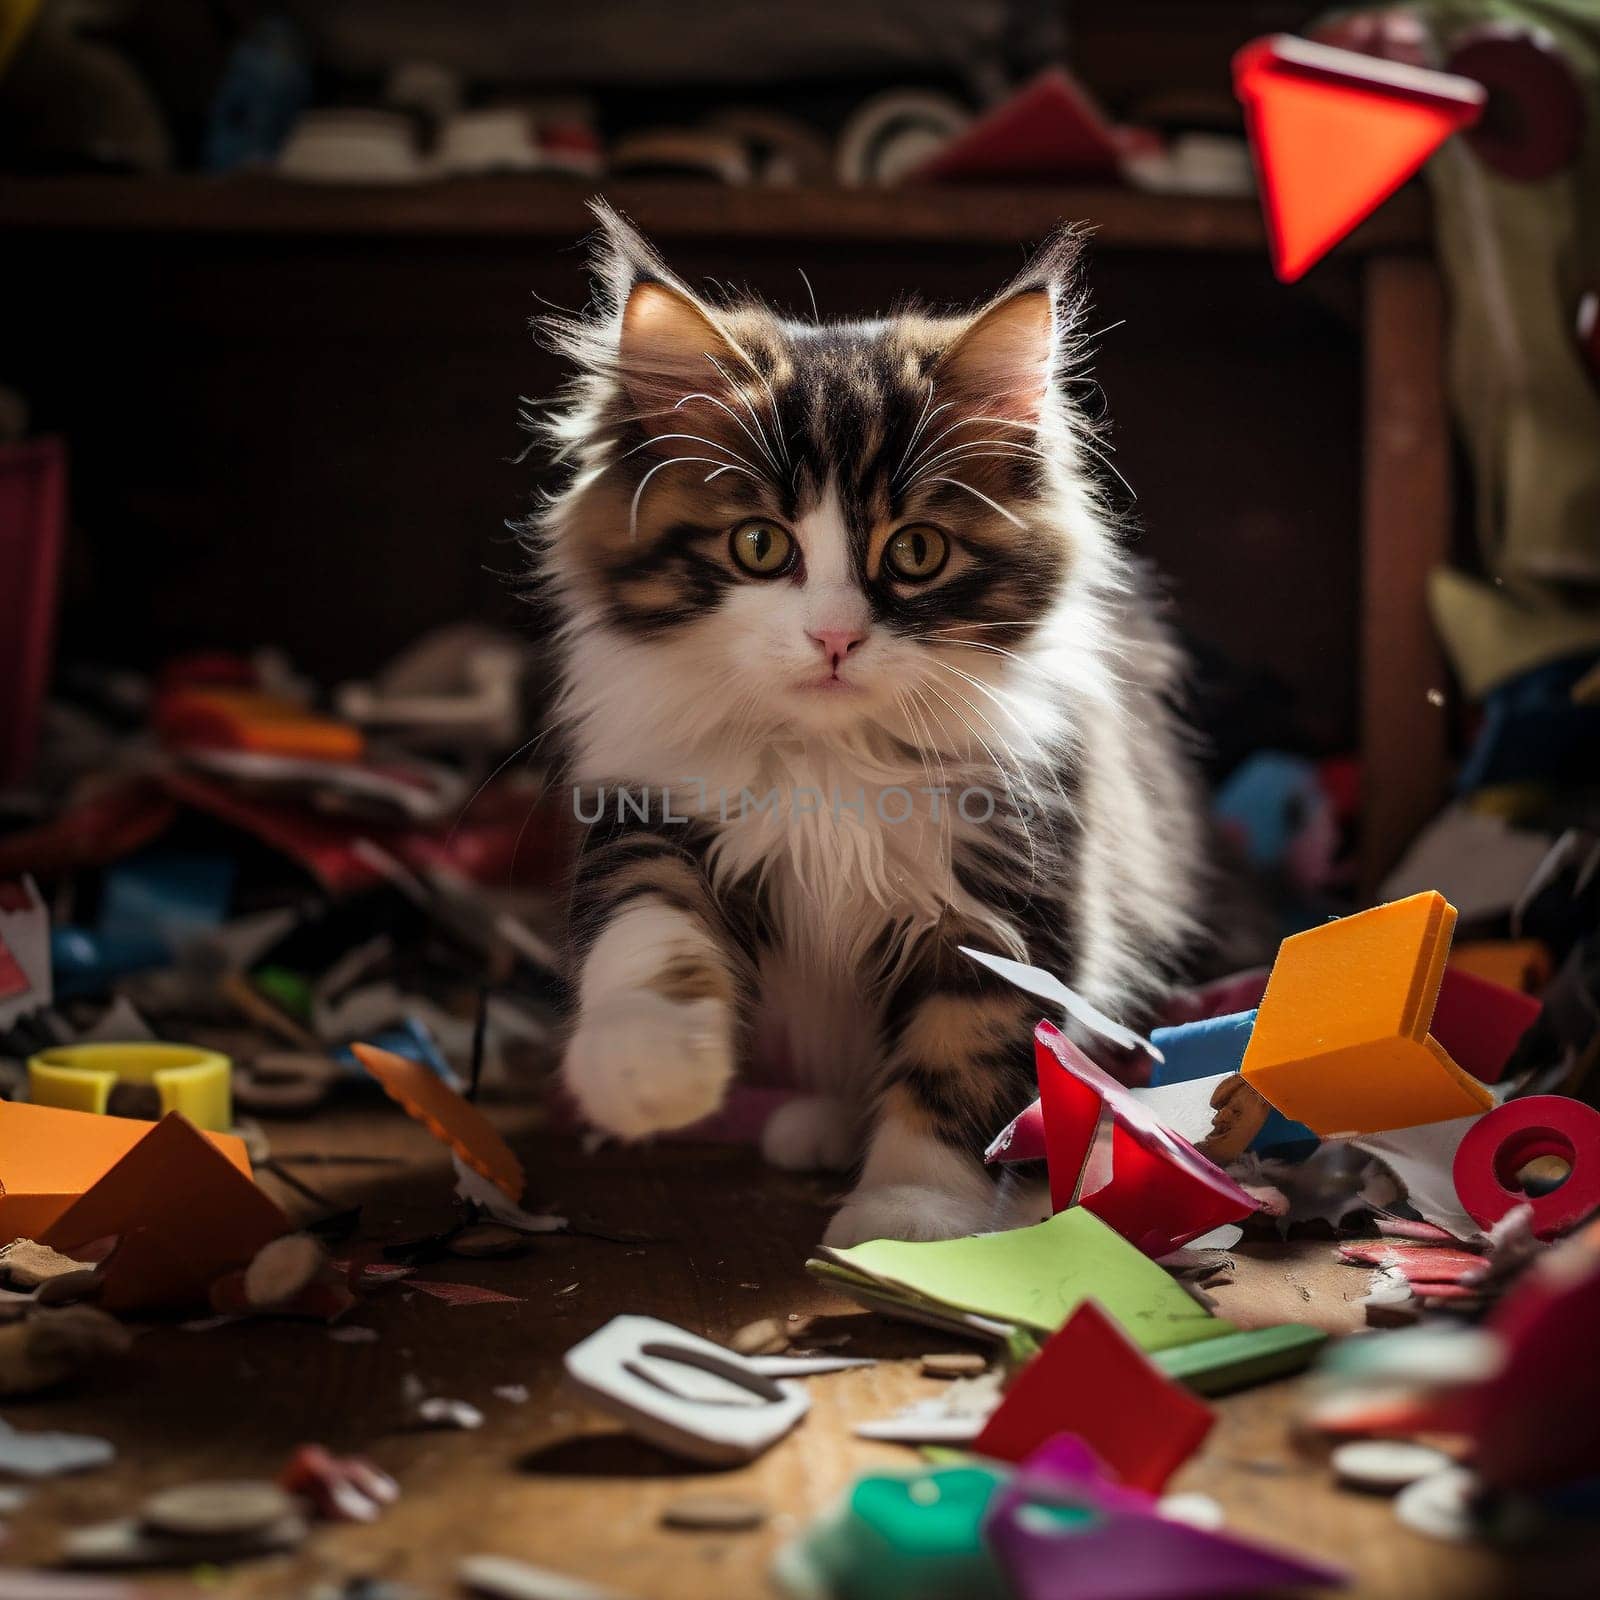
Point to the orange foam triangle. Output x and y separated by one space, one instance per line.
1334 133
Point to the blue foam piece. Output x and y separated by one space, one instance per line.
411 1038
83 962
1217 1044
1269 797
165 896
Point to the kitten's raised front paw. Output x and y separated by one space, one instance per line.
906 1211
643 1064
811 1133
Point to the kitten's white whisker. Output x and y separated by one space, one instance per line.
944 433
921 420
759 441
672 461
968 422
994 505
1040 754
927 417
954 627
530 745
967 453
815 315
971 644
744 400
1110 466
693 438
1007 446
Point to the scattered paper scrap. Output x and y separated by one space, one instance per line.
438 1412
48 1455
424 1097
1161 1192
472 1185
339 1488
127 1542
1090 1380
25 1264
803 1366
714 1513
1032 1278
1060 1530
1421 1159
463 1294
17 1584
1046 986
502 1578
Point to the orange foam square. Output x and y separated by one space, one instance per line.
49 1157
1341 1041
183 1211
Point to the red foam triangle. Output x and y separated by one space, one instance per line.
1334 133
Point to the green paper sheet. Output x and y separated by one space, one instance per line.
1032 1277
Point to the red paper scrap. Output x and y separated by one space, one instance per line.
1091 1380
463 1294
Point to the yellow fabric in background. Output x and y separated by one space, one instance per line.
16 17
1517 258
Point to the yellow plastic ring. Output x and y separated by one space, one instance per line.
81 1077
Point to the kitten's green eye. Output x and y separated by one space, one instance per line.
763 549
916 554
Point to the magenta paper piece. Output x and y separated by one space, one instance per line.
1129 1551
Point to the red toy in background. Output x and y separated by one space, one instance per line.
1334 133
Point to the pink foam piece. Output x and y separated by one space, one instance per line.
1479 1022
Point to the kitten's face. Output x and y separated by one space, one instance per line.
821 527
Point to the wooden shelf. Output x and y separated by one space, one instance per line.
540 207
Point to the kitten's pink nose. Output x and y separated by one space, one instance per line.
836 643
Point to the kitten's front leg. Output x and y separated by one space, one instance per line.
958 1066
655 1040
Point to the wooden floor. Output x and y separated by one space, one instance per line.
547 1482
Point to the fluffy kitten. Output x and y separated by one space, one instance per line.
855 672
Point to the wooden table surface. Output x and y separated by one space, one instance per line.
550 1483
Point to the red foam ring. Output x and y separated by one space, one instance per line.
1520 1131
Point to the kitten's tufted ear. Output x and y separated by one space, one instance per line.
664 340
1002 363
1007 357
668 344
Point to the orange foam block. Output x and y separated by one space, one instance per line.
49 1157
1334 133
182 1211
179 1204
1341 1040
